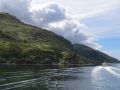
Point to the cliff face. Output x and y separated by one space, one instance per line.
22 43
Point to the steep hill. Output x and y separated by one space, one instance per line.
25 44
94 55
22 43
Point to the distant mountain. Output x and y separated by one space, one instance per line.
25 44
94 55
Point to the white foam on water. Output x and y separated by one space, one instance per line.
24 81
20 76
116 69
96 71
96 74
3 79
112 71
15 87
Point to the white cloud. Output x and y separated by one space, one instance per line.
74 31
104 26
50 16
47 13
19 8
89 8
96 12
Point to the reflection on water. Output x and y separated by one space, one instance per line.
106 77
113 71
81 78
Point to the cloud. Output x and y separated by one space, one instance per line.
47 13
19 8
96 12
87 9
104 26
74 31
51 16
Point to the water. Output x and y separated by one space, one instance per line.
80 78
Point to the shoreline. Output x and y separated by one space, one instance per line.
70 65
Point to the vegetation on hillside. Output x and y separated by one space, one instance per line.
94 55
25 44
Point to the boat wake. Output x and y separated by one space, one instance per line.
112 70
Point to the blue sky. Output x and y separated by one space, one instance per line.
111 46
106 28
103 25
95 23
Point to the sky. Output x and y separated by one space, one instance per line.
94 23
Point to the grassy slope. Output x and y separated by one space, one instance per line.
94 55
22 43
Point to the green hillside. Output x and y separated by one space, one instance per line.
22 43
94 55
25 44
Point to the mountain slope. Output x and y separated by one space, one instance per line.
22 43
94 55
25 44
